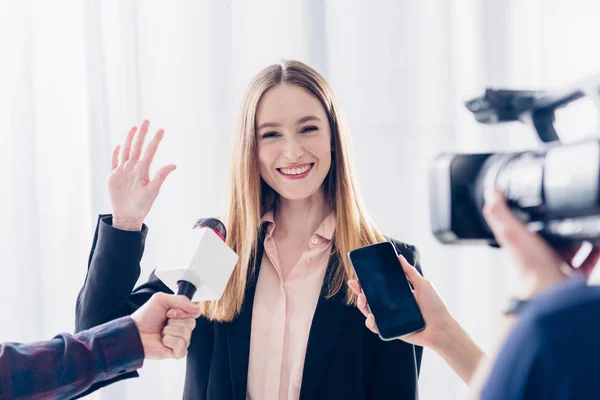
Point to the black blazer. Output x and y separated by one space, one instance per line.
344 360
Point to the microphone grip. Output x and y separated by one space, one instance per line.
186 289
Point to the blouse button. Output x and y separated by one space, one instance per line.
314 240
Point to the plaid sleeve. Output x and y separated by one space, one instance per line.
68 365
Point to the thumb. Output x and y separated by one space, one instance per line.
355 286
180 302
411 272
162 174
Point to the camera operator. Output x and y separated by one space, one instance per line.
549 346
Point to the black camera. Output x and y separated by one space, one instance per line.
555 189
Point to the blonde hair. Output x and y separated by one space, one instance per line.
250 197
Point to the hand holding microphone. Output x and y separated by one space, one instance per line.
165 324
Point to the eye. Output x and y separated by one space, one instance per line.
308 129
270 135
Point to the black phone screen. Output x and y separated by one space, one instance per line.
388 292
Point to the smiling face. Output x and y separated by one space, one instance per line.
262 159
294 141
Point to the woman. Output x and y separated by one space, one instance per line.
286 326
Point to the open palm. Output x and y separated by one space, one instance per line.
131 191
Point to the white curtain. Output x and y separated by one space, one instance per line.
76 75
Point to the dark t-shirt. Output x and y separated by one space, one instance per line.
554 350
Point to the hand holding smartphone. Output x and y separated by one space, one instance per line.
383 281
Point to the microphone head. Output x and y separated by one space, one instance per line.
204 263
212 223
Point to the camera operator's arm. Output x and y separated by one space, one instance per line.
442 332
541 268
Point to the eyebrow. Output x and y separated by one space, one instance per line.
300 121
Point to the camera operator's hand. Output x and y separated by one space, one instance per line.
541 267
132 193
442 332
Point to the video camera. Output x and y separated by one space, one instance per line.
554 189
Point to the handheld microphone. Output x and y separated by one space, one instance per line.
211 263
212 223
184 287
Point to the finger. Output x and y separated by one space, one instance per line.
176 313
411 272
161 175
178 331
139 141
167 353
127 145
507 228
370 323
362 305
176 344
188 323
355 286
587 266
180 314
115 157
162 353
151 149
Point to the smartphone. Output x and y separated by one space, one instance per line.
388 292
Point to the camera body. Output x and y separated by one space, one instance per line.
555 190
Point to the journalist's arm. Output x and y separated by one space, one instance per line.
68 365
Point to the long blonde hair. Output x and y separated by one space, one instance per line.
250 197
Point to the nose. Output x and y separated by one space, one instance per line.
293 150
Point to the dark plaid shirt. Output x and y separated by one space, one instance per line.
69 364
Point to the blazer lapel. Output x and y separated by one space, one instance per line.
325 328
238 333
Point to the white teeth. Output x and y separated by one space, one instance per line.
295 171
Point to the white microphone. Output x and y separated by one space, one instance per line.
207 268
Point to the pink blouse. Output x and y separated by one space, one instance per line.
282 314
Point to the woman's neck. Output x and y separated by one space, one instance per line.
299 219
